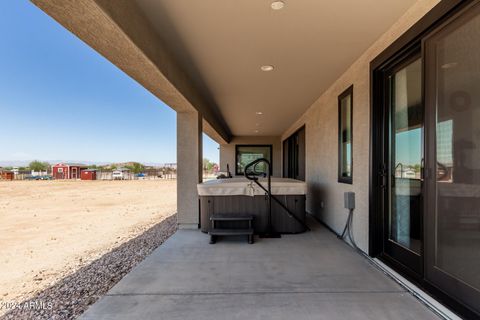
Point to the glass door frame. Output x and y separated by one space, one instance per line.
441 13
393 251
433 273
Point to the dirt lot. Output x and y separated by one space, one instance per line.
49 229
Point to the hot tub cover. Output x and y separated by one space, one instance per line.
243 186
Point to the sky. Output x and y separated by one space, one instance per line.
408 147
61 100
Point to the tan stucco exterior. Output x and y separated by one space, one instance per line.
227 152
325 194
189 169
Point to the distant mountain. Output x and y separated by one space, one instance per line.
24 163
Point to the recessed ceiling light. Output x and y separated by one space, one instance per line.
266 68
277 5
259 113
256 131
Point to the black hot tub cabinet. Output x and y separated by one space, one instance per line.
239 196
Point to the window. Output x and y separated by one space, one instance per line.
294 155
345 103
248 153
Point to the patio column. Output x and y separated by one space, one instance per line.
189 167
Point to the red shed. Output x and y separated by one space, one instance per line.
6 175
89 174
67 170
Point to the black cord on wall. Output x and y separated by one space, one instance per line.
348 230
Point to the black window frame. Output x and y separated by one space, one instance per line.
293 164
237 146
343 95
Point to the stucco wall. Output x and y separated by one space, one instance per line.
325 194
227 152
189 167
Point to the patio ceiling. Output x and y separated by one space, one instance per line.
221 45
206 55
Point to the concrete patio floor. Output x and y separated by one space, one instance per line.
307 276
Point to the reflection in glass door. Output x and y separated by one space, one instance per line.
426 158
403 210
453 102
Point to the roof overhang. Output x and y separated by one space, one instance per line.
120 32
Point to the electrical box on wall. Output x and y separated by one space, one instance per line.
349 200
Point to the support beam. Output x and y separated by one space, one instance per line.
189 167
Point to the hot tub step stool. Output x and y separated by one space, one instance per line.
214 232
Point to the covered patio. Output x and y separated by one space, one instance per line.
313 275
343 96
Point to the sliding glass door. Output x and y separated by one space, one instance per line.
403 210
452 78
426 158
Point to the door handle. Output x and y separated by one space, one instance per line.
383 176
422 170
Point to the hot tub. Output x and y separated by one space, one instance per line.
238 196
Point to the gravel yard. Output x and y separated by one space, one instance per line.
65 243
